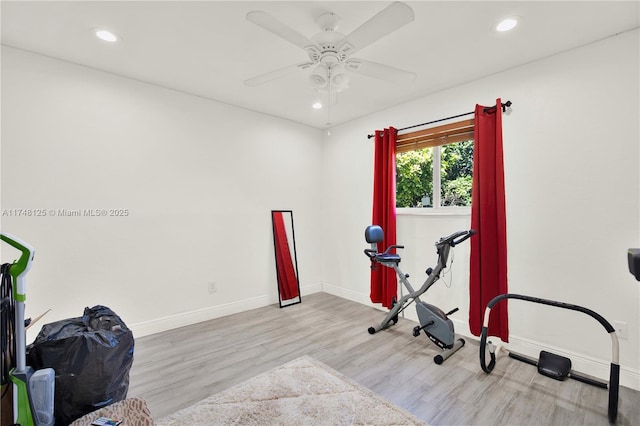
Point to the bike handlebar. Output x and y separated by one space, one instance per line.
460 235
453 240
370 253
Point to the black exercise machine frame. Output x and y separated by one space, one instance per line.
614 372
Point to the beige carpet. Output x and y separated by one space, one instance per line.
301 392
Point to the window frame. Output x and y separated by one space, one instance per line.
435 137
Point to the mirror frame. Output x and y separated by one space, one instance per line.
294 258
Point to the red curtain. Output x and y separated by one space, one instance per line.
488 263
287 280
384 285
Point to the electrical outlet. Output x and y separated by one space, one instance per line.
212 287
621 329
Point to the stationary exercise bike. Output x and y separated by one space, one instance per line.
433 321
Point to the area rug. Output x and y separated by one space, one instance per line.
301 392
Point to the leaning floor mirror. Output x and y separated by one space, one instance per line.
284 244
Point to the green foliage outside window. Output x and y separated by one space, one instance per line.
414 175
456 173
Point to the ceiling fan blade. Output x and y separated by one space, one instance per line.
279 73
380 71
393 17
271 24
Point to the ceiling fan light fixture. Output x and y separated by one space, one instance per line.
339 77
319 77
340 80
317 81
507 24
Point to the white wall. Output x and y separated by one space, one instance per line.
75 138
198 178
571 151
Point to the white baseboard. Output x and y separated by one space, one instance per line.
344 293
183 319
310 288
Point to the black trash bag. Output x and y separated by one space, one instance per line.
91 356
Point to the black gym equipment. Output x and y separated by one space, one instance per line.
433 321
556 366
633 257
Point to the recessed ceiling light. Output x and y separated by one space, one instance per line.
317 105
106 35
507 24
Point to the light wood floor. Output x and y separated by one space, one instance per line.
177 368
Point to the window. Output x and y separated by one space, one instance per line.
434 167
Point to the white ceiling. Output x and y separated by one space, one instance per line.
208 48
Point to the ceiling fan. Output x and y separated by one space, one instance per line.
330 51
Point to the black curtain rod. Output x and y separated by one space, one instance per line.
505 105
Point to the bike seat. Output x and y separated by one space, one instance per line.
388 257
